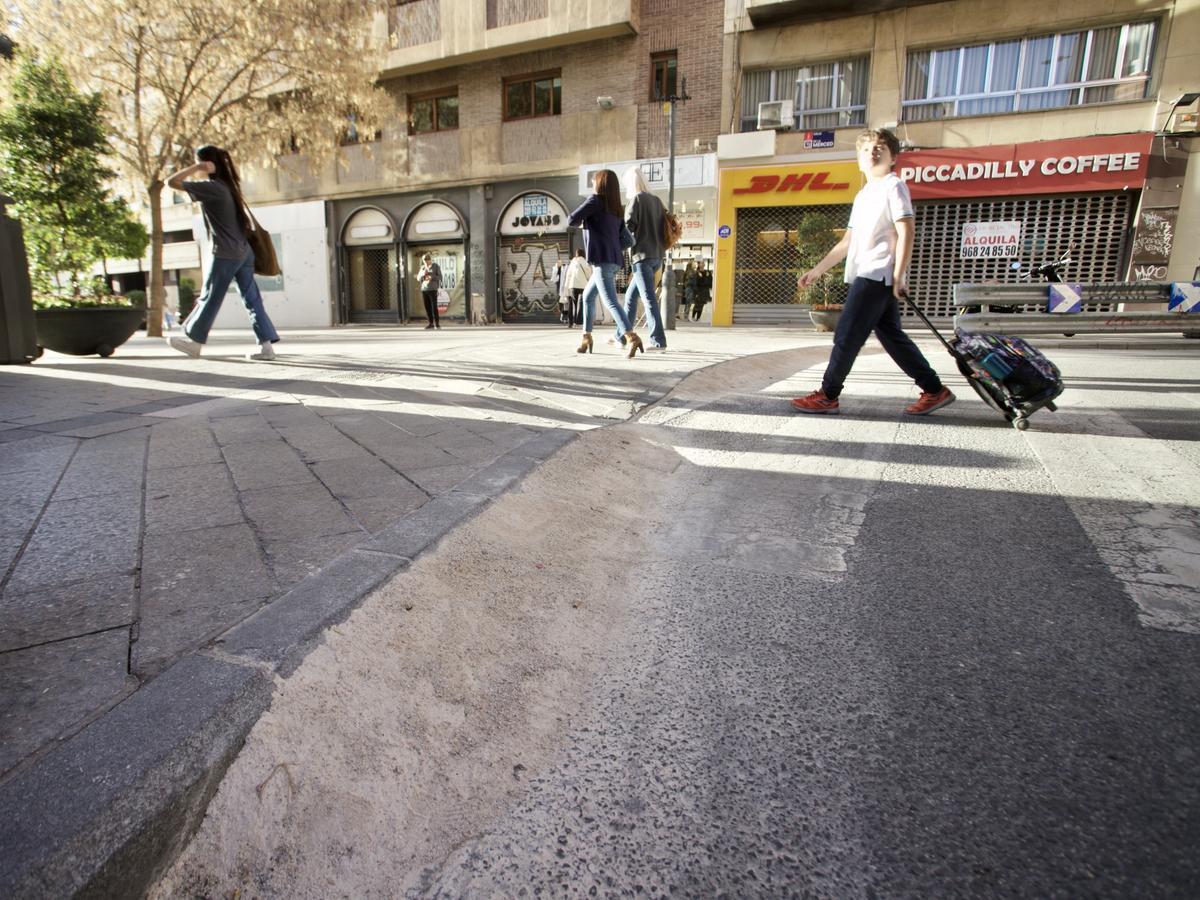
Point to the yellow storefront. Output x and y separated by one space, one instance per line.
773 223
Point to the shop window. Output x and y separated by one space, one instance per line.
1048 71
435 111
664 69
533 96
826 95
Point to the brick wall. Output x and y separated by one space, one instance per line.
694 30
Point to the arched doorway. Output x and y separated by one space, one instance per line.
370 269
436 228
530 237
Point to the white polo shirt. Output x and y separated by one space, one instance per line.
877 208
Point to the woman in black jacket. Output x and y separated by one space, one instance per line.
602 219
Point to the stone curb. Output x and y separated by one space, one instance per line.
104 812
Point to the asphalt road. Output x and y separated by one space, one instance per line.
867 658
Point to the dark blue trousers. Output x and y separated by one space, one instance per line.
869 307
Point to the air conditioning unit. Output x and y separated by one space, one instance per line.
776 115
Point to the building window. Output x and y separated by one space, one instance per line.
351 134
663 70
1048 71
532 96
826 95
435 111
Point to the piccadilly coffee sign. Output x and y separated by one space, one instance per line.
1108 163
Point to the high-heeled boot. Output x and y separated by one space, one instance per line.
586 346
635 344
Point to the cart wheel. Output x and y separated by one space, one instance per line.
1050 406
105 350
38 351
1020 423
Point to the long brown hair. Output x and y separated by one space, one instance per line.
227 174
608 188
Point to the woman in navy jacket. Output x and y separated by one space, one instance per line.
602 218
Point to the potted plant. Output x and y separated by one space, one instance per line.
51 151
824 297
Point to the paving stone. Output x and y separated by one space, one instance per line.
68 610
320 441
439 479
102 810
51 688
416 532
248 428
265 464
81 540
182 443
91 425
295 511
195 588
191 497
363 476
375 513
105 465
293 561
414 454
46 453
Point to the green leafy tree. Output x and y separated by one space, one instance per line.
52 147
250 77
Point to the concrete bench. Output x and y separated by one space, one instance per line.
1112 307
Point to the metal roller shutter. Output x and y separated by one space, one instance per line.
526 293
1095 226
767 260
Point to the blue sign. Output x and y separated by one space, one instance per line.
536 205
724 231
818 140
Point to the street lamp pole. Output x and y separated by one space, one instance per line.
668 282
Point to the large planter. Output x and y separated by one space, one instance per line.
825 319
82 332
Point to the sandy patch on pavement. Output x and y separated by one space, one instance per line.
422 717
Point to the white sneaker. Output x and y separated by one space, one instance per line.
265 351
185 345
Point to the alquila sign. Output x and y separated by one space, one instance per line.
1084 165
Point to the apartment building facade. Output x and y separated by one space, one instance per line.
502 109
1048 127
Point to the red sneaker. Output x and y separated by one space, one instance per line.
928 402
816 402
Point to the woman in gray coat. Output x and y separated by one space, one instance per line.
644 216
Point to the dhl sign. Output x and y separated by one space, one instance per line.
792 181
791 185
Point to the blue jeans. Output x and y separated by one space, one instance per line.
603 283
869 307
642 280
220 276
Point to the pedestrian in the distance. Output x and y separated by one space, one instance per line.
688 283
227 220
576 279
603 220
877 247
644 217
702 291
430 279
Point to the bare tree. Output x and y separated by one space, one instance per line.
258 77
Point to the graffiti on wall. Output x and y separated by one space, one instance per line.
526 290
